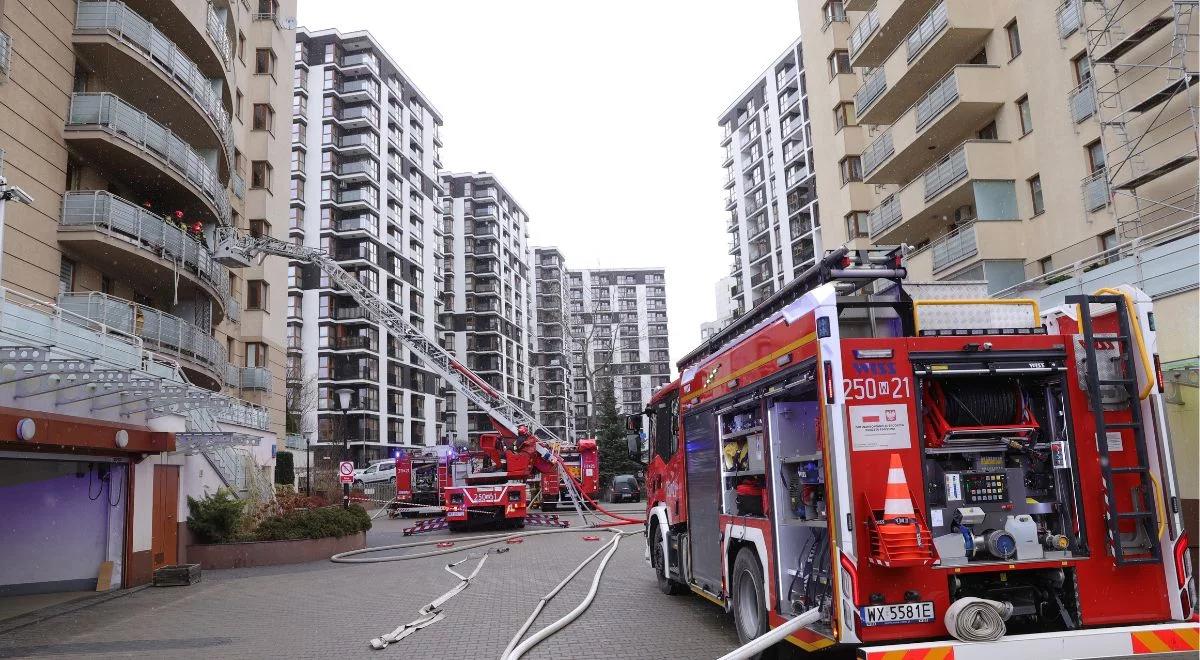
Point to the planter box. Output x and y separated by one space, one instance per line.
180 575
271 553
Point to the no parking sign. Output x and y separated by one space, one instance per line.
346 472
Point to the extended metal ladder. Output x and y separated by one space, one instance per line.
1143 515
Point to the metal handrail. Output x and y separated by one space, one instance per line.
885 215
870 91
863 31
220 37
117 19
105 212
937 99
124 120
5 54
256 378
1070 18
877 152
934 21
1094 189
1082 101
160 329
954 247
940 176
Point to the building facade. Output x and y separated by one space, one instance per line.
488 294
137 129
619 335
364 187
728 304
553 371
770 188
1002 140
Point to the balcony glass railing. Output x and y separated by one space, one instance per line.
934 21
106 213
870 91
157 329
361 59
123 23
951 168
884 216
1070 18
358 223
953 248
879 151
354 113
357 196
356 140
936 100
863 31
256 378
238 185
1095 190
127 122
368 87
1082 101
355 167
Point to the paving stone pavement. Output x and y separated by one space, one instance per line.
327 610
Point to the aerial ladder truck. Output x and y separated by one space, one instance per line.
519 450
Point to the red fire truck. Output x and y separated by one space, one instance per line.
925 472
583 463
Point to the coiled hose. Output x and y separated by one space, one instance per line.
977 619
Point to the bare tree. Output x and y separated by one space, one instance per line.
301 399
598 340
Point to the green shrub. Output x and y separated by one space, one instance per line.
285 473
215 518
314 524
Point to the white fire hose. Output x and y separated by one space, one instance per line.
773 637
977 619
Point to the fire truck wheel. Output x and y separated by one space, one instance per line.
659 561
749 615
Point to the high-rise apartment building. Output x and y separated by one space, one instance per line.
554 373
619 335
137 129
488 293
1003 140
365 187
770 188
728 306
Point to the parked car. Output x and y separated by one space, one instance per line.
376 472
624 488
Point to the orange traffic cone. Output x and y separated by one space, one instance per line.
897 499
900 539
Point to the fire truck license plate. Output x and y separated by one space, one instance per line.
883 615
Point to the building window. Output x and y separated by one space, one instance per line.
1082 65
1046 264
1095 154
256 294
839 62
66 275
843 116
1014 39
264 117
988 132
256 354
260 174
856 225
851 169
834 11
1035 194
264 61
241 47
259 228
237 105
1026 117
1108 243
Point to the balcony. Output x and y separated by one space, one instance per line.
947 33
135 245
948 113
1082 101
895 20
977 175
141 62
357 116
103 128
366 197
947 256
359 223
256 379
358 142
862 32
1069 17
358 89
1094 191
202 356
365 61
358 170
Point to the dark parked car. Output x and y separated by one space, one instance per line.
624 487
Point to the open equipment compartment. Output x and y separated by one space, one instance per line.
804 575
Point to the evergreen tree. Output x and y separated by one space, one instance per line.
610 439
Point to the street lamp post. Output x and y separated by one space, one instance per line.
344 396
308 464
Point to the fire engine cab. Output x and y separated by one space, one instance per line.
971 474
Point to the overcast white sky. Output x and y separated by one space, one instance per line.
599 117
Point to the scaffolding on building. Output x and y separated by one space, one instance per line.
1146 102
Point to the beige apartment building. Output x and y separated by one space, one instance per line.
138 128
1003 139
1047 147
